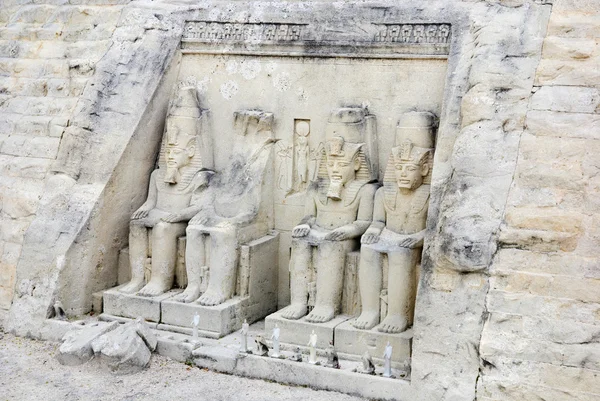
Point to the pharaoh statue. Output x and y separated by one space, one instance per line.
398 227
168 208
338 210
233 213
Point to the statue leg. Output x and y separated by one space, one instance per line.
164 256
138 252
195 259
299 263
223 263
370 280
331 258
401 287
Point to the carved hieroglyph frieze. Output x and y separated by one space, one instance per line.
229 31
414 33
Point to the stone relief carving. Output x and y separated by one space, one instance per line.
339 208
229 213
297 165
213 30
168 207
398 227
414 33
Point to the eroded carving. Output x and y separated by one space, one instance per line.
229 31
229 214
398 227
339 209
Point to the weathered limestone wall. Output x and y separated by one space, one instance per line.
48 52
542 333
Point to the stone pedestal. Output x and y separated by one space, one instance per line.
219 320
297 332
352 341
117 303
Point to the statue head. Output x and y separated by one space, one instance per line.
342 161
180 148
411 165
410 162
180 142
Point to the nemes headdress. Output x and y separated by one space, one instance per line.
350 133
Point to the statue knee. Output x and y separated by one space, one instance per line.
192 233
162 229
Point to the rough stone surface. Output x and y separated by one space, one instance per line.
76 348
127 348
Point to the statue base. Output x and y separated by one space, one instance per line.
133 306
297 332
352 341
219 320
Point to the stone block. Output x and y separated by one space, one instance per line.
547 219
76 348
349 340
538 240
297 332
572 99
133 306
557 48
564 125
220 359
570 73
42 147
573 25
176 349
220 319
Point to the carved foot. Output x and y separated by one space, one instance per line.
321 314
153 288
212 298
367 320
132 286
294 311
393 324
190 294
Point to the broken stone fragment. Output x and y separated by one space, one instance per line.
126 349
77 343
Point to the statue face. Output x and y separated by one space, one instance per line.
410 175
177 157
341 169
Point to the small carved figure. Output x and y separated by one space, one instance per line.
302 150
195 323
275 339
332 357
398 227
168 208
387 361
338 210
312 344
262 349
368 366
244 331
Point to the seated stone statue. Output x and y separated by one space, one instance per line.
168 207
338 210
233 212
398 227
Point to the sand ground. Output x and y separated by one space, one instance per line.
29 371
